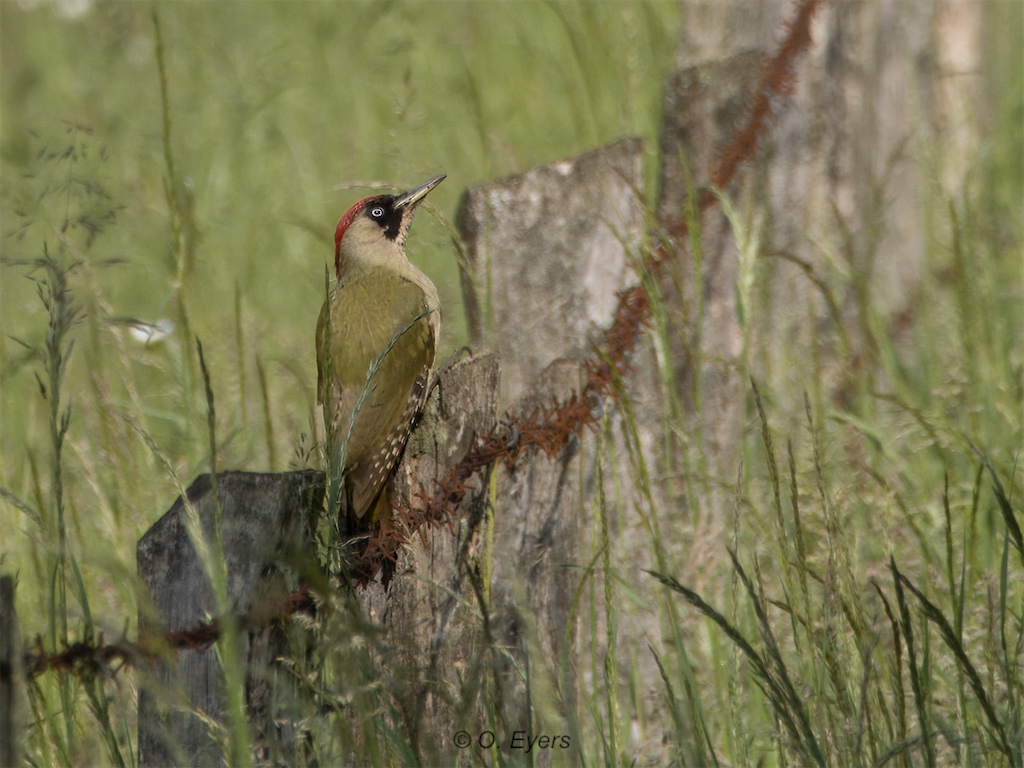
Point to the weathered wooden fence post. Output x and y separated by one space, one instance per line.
549 250
264 529
704 105
12 678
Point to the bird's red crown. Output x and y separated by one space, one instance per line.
344 224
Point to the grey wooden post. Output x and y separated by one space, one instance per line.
264 522
704 105
548 252
12 678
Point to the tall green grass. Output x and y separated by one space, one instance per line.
866 589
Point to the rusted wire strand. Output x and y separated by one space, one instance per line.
88 659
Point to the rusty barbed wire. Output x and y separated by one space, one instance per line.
92 659
547 429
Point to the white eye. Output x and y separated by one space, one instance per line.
377 212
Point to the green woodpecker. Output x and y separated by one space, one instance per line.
375 344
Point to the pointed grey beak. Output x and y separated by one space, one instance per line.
411 198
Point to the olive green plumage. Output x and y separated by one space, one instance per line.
375 356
